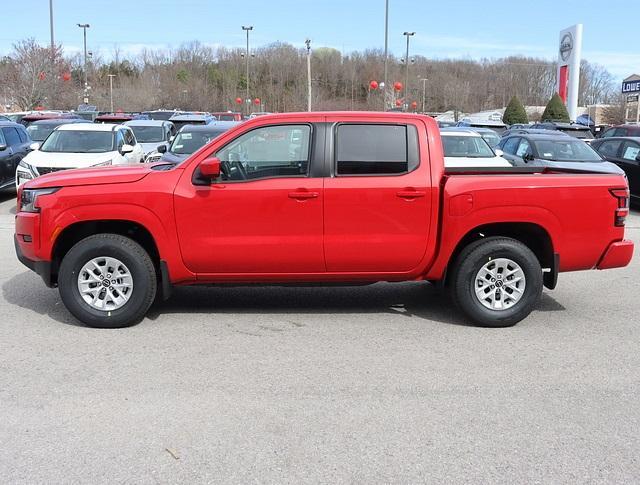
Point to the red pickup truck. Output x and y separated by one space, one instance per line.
341 197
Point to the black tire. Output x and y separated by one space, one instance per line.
473 258
128 252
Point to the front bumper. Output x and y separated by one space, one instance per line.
43 268
617 255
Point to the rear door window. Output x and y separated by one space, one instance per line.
11 135
524 148
510 146
630 151
609 149
376 149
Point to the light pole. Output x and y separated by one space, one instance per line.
247 100
84 28
53 44
386 52
111 76
424 91
406 60
308 42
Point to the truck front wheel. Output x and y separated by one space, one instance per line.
496 281
107 281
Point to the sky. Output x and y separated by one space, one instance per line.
458 29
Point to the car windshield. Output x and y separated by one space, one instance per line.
39 132
76 141
491 138
582 134
148 134
562 150
188 142
466 146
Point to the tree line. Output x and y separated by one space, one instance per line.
195 76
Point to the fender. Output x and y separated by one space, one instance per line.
454 229
166 240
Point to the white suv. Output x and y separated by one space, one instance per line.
80 145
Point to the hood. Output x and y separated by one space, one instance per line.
173 157
118 174
38 158
152 146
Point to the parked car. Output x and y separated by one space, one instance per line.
162 114
532 131
180 120
255 114
446 124
554 152
80 145
14 146
317 197
497 126
621 130
519 126
227 116
625 153
151 134
575 130
113 118
489 135
466 148
189 139
27 119
39 130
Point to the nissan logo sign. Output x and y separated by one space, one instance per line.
566 46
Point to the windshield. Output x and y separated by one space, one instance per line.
39 132
466 146
582 134
562 150
72 141
148 134
188 142
491 138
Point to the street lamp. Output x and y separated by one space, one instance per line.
247 29
386 51
308 43
84 28
424 91
406 83
111 76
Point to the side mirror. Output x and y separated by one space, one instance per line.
34 146
210 168
3 147
126 149
528 157
162 148
499 152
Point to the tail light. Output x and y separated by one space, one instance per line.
622 211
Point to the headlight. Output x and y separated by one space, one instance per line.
102 164
25 165
29 198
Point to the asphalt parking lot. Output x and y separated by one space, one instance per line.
374 384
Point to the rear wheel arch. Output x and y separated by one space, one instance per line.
532 235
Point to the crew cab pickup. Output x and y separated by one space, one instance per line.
334 197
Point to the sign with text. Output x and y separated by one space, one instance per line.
629 87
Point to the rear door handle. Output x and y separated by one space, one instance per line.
410 194
303 195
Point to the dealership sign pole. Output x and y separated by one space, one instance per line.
569 57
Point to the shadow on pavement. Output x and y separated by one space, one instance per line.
414 299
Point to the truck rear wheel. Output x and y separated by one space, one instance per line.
107 281
496 281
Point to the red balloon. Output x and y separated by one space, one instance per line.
397 86
42 75
66 76
373 84
398 102
414 105
256 101
238 100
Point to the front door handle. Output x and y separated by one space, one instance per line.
303 195
410 194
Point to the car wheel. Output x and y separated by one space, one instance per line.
107 281
496 281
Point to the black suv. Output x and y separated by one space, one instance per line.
576 130
14 145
